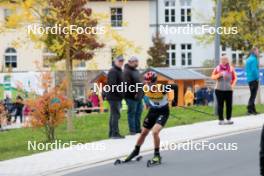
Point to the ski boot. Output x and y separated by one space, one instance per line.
134 154
156 160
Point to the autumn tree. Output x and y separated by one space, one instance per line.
247 16
158 52
74 45
49 109
3 113
66 47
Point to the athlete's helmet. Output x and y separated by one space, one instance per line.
150 77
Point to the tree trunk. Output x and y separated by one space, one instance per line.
50 132
69 87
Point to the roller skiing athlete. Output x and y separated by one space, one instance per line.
156 100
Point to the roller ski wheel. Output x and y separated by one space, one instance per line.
156 160
139 158
119 161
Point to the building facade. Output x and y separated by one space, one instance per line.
137 21
19 52
131 20
172 18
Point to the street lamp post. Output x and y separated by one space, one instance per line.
217 35
217 43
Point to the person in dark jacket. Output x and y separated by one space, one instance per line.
252 71
198 95
133 97
115 96
262 153
9 107
19 109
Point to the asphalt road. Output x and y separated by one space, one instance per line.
242 162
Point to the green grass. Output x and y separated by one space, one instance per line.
93 127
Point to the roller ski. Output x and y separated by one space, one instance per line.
156 160
134 156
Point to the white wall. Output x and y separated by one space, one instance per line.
136 29
241 95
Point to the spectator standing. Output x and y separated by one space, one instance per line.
204 95
133 98
114 97
189 97
26 113
209 96
226 78
94 99
18 106
198 95
9 107
252 71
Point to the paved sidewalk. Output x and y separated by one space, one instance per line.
58 160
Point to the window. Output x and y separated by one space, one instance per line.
237 58
116 17
113 54
81 64
186 54
79 91
45 63
223 50
240 59
10 58
186 11
7 13
47 54
46 11
171 55
169 11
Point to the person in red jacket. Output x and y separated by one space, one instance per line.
226 79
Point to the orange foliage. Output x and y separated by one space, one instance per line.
2 114
49 109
